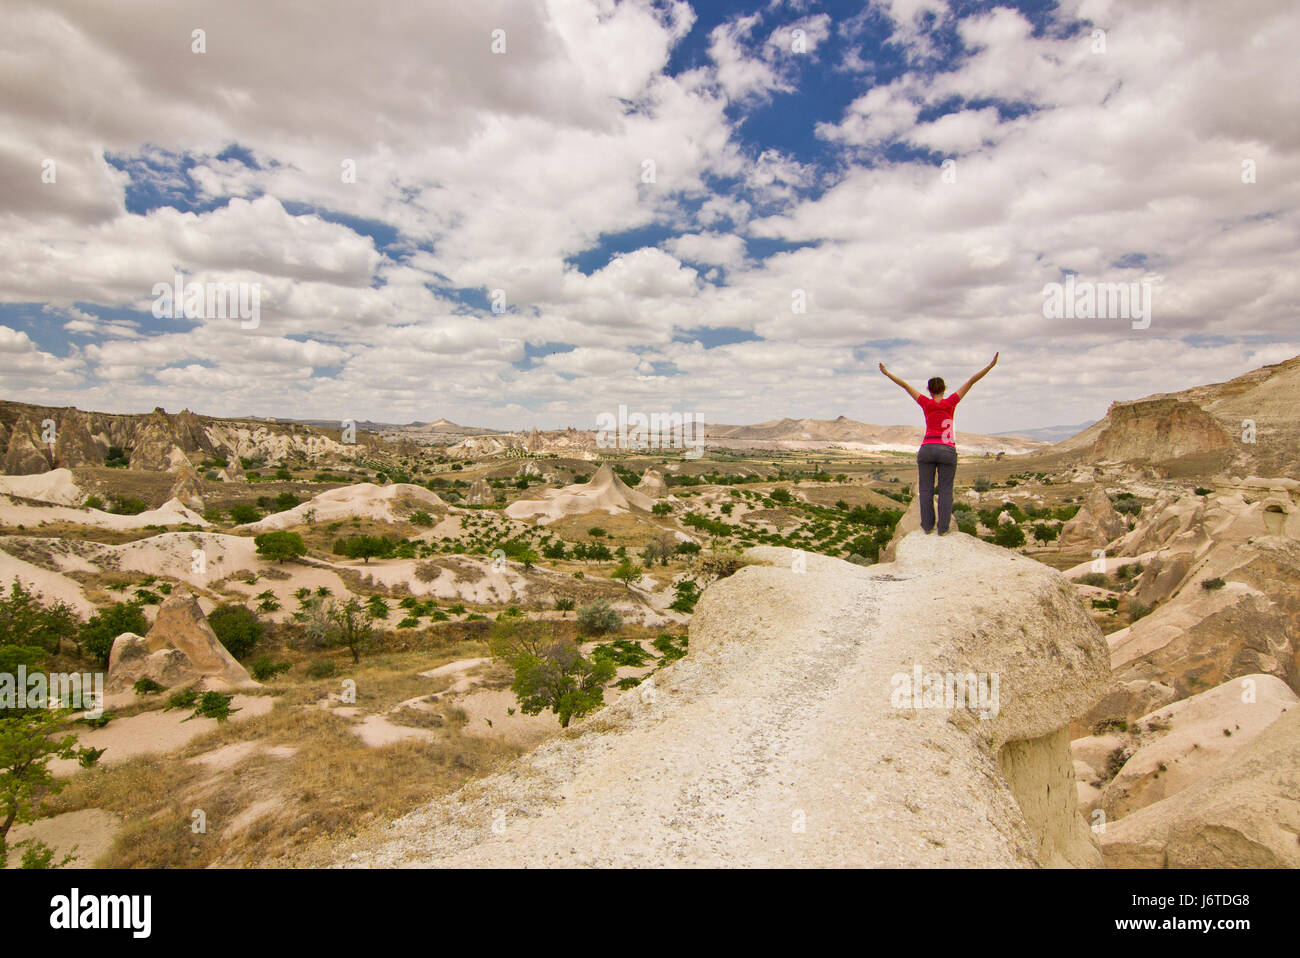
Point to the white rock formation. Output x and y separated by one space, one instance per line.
783 738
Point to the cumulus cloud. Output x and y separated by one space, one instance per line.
465 153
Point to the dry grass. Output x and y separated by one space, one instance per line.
330 786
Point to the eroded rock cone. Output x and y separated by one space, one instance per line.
480 493
181 649
156 445
188 488
74 445
1094 525
652 484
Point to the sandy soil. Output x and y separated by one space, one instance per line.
91 830
155 732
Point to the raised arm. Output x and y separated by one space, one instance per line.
910 391
977 377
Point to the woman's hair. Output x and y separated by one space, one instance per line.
935 385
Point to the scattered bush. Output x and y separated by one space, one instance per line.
95 638
278 546
263 669
320 670
238 628
598 618
1209 585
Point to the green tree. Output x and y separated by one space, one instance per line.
363 547
27 743
550 671
243 512
238 628
627 572
351 626
1045 533
278 546
25 619
95 638
1009 535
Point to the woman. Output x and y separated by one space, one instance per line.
938 453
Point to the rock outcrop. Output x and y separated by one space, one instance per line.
188 489
157 447
74 445
1247 424
26 455
1244 814
1094 525
1199 637
1174 747
480 493
652 484
180 650
606 492
790 735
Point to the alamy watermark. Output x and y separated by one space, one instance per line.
195 300
638 430
1074 299
977 691
83 691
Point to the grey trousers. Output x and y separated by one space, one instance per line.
936 465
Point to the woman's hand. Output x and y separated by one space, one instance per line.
995 359
883 369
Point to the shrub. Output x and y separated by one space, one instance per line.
598 618
263 669
687 594
1202 491
550 671
1009 536
214 705
238 628
982 484
320 670
670 647
1209 585
564 605
278 546
1137 610
147 686
420 518
93 502
126 506
26 620
95 638
1098 579
1128 507
243 512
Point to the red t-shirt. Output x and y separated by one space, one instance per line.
938 418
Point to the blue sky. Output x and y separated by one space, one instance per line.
730 209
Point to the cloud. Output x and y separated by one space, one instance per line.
625 171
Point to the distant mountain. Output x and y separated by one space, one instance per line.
850 434
1049 433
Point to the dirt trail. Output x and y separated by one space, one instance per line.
774 742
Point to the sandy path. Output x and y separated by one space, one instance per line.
155 732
